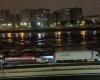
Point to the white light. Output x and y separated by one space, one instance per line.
16 26
38 23
1 56
25 24
9 24
4 24
21 24
29 24
78 22
70 25
58 22
39 35
82 23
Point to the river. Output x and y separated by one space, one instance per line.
57 40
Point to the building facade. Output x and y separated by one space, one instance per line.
75 15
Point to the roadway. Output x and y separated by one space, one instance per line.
51 71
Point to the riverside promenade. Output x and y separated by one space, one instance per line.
53 29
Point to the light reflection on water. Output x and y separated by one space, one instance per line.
58 34
83 33
10 40
9 35
22 35
54 38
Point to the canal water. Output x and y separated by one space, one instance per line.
49 41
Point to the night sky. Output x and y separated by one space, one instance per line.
89 6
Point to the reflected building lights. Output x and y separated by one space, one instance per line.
68 34
9 35
22 42
30 35
59 40
3 35
83 33
16 35
41 35
94 33
10 40
58 34
22 35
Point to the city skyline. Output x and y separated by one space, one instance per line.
89 7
